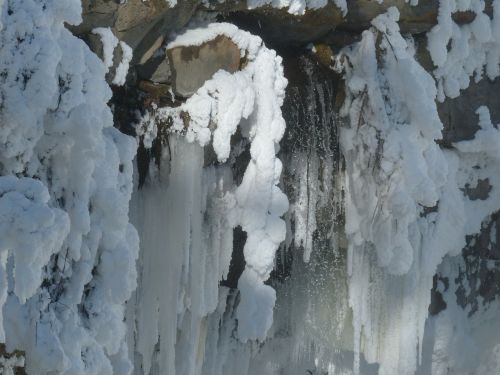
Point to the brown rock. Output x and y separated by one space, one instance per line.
413 19
192 66
323 53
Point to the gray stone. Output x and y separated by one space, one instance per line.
192 66
95 44
149 52
156 69
137 20
459 115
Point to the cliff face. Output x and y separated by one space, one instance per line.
377 270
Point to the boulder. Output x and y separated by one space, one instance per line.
139 14
193 65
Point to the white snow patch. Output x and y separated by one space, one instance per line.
122 68
109 43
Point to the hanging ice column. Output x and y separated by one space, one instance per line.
186 214
404 208
396 176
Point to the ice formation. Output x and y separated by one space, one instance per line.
122 68
404 207
67 250
109 43
474 48
256 205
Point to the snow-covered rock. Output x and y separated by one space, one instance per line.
193 65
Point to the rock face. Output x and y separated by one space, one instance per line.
140 24
280 27
143 25
459 115
192 66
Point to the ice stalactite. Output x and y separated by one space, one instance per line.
67 249
187 242
194 233
405 213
